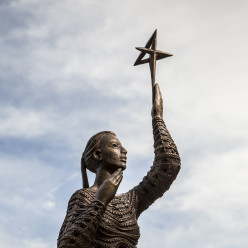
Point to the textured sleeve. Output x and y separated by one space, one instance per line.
81 222
164 171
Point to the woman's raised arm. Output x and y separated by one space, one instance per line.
166 163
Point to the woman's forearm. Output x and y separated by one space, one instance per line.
164 170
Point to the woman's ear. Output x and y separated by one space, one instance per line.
97 155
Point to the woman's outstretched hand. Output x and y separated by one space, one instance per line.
157 107
107 190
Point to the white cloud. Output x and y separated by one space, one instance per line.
36 244
49 204
23 123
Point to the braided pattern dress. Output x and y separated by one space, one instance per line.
88 224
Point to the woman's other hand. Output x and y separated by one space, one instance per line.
107 190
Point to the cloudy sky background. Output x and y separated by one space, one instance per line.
66 72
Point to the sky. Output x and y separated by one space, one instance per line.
66 72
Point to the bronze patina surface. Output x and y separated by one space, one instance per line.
98 218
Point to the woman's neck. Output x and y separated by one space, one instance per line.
101 175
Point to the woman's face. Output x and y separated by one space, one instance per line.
113 153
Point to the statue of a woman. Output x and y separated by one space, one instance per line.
98 218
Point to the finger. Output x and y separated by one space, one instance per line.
154 93
116 173
159 92
158 89
116 179
158 97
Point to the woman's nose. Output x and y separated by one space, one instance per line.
124 150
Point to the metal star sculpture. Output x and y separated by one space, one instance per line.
154 55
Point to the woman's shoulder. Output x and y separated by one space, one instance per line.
83 195
129 196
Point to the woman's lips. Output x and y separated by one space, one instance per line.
123 159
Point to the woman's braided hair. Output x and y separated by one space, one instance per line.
87 160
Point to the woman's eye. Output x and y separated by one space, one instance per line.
115 145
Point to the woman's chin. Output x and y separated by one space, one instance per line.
123 166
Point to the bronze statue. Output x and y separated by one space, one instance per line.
98 218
